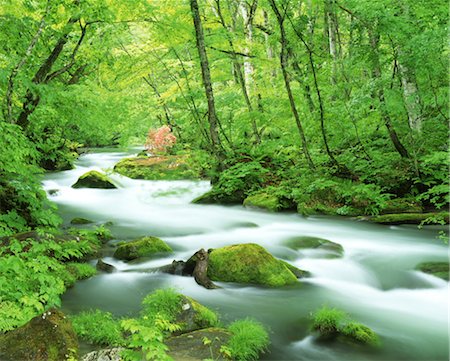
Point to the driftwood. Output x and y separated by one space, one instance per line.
201 269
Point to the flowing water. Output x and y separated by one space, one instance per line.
374 282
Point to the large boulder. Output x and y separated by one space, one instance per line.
437 269
48 337
198 345
307 242
248 263
168 167
141 247
94 179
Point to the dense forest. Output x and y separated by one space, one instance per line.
315 107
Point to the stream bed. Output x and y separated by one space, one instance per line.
374 282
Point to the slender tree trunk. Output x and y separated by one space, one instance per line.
206 76
332 44
283 63
411 97
376 72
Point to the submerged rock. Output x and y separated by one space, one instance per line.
248 263
141 247
94 179
412 218
437 269
199 345
48 337
108 354
167 167
105 267
306 242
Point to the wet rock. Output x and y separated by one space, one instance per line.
105 267
108 354
248 263
94 179
193 316
48 337
79 220
198 345
53 192
306 242
437 269
167 167
141 247
412 218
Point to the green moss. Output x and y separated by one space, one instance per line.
264 201
248 263
76 272
48 337
94 179
331 323
438 269
79 220
157 168
142 247
401 205
296 271
98 327
359 333
203 316
307 242
216 196
249 339
412 218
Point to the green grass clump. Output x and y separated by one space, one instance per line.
164 303
98 327
331 323
328 321
249 339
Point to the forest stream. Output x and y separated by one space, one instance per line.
374 281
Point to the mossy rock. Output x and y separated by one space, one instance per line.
306 242
141 247
198 345
299 273
438 269
48 337
94 179
194 316
76 272
107 354
412 218
248 263
169 167
263 200
216 196
354 332
402 205
79 221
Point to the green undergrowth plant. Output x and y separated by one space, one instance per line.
331 323
249 339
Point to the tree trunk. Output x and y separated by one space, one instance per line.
206 76
376 73
201 270
283 64
411 97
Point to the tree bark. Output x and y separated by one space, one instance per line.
206 77
283 64
374 38
201 269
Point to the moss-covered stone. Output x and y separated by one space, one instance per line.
194 316
438 269
306 242
412 218
169 167
198 345
358 333
402 205
141 247
296 271
94 179
76 272
248 263
48 337
263 200
215 196
80 220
